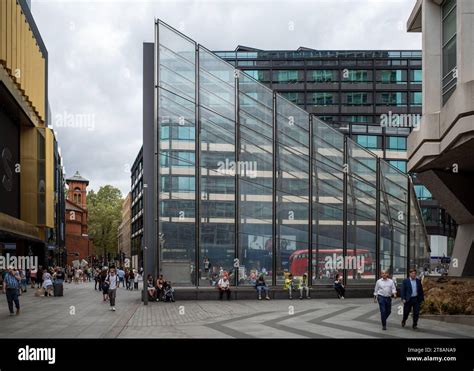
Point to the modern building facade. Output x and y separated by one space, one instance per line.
124 230
30 170
358 92
441 152
78 244
137 211
238 178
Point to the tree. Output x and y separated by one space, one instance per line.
105 214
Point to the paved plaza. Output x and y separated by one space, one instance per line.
81 313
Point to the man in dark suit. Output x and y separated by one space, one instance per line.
412 296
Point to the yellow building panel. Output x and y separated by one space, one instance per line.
3 31
18 43
9 34
49 177
14 61
29 174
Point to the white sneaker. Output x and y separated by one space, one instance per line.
342 297
113 309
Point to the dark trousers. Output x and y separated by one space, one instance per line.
412 303
221 293
112 295
385 304
341 291
12 297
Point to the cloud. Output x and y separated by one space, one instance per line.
95 58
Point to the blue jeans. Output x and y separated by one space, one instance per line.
385 304
262 288
12 297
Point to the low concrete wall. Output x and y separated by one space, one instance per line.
250 293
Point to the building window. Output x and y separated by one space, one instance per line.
369 141
186 133
321 76
322 99
392 99
356 76
416 77
416 99
357 98
293 97
393 77
396 143
449 48
399 164
422 192
285 77
258 75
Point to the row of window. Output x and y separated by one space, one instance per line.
334 76
285 54
326 62
397 99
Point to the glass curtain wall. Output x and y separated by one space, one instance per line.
177 150
251 184
255 187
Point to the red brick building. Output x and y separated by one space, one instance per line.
78 244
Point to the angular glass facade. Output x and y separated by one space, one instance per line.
249 183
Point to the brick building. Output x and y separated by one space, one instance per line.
78 244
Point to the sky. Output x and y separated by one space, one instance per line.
95 58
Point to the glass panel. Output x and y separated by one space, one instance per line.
255 188
176 116
218 168
328 189
292 189
360 259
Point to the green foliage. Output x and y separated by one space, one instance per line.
105 214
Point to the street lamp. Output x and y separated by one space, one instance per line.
145 281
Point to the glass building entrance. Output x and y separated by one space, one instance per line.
248 183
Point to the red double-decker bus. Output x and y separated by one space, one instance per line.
298 261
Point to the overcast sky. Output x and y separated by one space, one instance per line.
95 58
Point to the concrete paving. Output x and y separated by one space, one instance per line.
81 313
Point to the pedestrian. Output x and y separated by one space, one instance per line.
224 286
160 282
39 277
121 276
383 292
104 285
150 286
289 285
131 279
47 284
112 283
304 286
412 296
33 275
339 287
135 279
11 287
261 285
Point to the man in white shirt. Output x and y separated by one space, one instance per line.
224 286
112 282
384 289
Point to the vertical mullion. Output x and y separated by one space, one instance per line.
408 224
197 175
345 198
377 221
237 179
156 169
274 191
310 210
